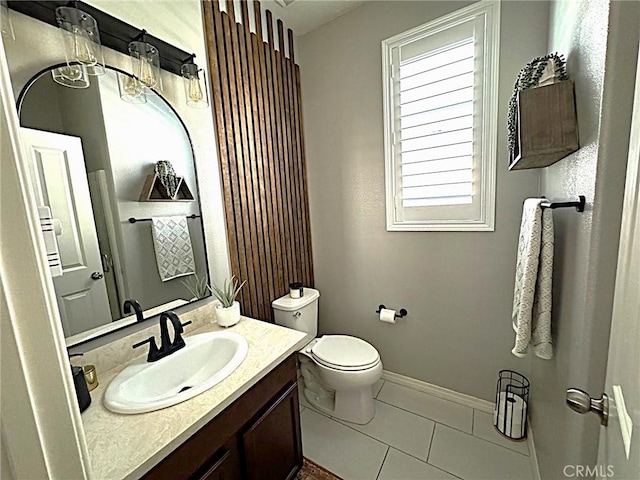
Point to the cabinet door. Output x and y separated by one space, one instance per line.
272 445
225 465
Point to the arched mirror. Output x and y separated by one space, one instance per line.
119 230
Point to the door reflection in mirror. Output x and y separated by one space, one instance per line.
89 155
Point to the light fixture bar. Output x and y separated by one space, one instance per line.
114 33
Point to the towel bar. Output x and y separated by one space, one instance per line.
579 205
134 220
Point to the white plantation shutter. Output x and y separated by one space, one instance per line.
438 116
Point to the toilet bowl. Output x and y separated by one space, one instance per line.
338 371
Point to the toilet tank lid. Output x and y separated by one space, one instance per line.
289 304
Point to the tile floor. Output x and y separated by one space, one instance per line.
413 436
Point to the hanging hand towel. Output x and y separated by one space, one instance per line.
172 243
534 271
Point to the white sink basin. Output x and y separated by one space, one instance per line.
207 359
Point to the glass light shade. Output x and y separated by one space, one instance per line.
131 89
145 64
73 76
81 39
195 85
5 21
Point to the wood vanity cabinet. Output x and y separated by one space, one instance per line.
255 438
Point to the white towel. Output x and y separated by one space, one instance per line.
172 243
534 271
50 228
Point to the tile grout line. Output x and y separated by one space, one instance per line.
376 439
383 460
422 416
473 420
451 427
433 434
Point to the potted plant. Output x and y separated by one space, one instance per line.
228 312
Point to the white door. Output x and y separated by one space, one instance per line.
59 177
619 450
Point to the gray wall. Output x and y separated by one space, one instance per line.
457 287
600 42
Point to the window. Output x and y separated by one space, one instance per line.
440 113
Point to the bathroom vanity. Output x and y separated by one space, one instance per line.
245 427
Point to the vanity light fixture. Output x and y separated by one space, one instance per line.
131 89
81 39
195 83
73 76
145 62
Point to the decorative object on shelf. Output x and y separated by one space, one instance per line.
81 39
145 62
228 312
165 185
168 177
195 84
542 123
72 76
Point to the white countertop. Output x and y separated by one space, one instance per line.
127 446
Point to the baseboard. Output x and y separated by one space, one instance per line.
441 392
533 457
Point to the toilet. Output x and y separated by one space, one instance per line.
338 371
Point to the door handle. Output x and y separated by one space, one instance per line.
96 276
580 401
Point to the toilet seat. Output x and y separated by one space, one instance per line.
343 352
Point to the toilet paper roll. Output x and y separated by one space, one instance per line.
510 415
387 315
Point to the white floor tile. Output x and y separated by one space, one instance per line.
341 450
472 458
483 428
434 408
400 466
403 430
376 387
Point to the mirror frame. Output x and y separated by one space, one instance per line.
19 103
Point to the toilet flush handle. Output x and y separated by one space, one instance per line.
297 314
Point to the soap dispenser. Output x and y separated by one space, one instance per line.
82 391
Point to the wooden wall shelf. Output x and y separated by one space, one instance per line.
154 191
546 126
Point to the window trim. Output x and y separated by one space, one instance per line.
486 222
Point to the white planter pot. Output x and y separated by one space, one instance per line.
228 316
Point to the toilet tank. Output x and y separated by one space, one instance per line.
298 313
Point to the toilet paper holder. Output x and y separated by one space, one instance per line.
399 314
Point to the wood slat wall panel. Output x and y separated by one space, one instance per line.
257 107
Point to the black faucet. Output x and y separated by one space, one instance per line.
167 347
129 304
